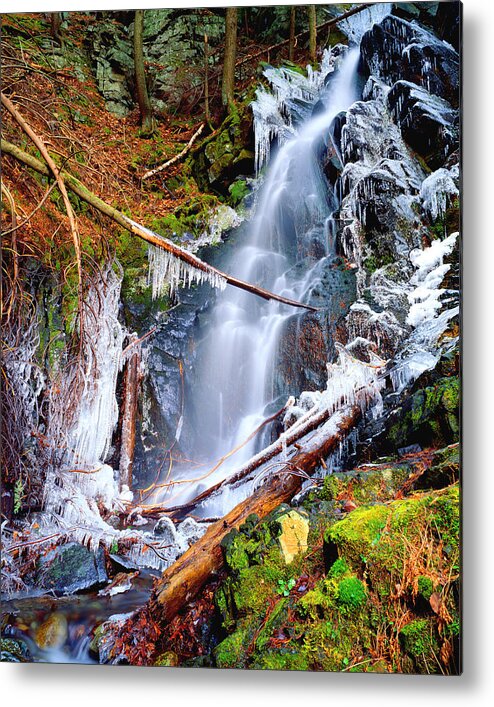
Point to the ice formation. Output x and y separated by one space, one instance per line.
166 271
427 316
90 439
438 190
272 117
355 26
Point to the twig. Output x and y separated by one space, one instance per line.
177 157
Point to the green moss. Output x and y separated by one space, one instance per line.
425 587
418 638
339 568
332 624
331 488
282 660
430 416
351 593
229 653
238 190
167 659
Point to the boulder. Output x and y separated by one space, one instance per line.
71 568
14 650
53 632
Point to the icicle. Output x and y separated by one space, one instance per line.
166 270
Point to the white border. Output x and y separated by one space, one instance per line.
80 686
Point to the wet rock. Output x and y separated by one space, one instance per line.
411 449
123 562
227 154
443 471
165 531
53 632
427 416
14 650
71 568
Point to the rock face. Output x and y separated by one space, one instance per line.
227 154
71 568
397 50
428 123
173 52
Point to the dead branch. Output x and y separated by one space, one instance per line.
59 179
178 157
183 580
156 508
145 233
254 463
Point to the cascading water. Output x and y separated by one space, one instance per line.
237 358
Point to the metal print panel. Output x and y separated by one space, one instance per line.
231 337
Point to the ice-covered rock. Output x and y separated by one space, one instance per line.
428 123
396 49
438 190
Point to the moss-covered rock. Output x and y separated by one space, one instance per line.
227 153
372 610
429 417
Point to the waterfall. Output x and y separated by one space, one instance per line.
238 356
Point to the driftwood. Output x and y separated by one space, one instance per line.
141 231
183 580
305 33
178 157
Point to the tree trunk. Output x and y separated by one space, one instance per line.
312 33
228 83
147 120
129 414
291 45
183 580
207 114
56 24
141 231
324 25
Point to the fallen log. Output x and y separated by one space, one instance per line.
145 233
183 580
